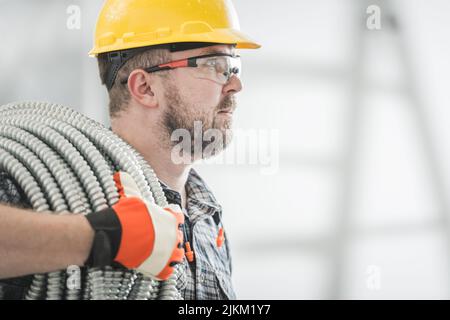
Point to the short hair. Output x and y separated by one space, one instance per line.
119 95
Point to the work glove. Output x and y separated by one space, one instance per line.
137 234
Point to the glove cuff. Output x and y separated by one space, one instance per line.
108 233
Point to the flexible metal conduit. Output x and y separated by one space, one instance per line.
64 162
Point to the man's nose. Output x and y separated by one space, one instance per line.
234 85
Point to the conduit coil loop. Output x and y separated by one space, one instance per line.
64 162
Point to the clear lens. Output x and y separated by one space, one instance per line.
219 69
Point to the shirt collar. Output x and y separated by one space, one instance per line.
200 199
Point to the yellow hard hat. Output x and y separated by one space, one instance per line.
127 24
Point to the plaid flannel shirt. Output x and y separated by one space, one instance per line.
212 264
208 277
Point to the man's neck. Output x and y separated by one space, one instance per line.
159 158
174 176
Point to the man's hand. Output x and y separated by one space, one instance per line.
137 234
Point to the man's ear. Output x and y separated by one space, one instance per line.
140 88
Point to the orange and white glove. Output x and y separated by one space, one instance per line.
137 234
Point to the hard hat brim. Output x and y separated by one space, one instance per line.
219 36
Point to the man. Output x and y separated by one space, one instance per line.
167 65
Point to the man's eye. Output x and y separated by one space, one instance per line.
211 62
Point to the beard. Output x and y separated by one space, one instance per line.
198 120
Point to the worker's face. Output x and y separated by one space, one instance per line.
190 99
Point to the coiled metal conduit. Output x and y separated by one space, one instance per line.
64 162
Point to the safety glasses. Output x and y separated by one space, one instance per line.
217 67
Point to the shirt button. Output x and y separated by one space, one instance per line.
202 278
